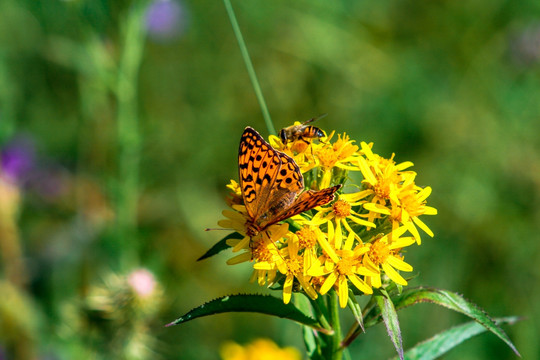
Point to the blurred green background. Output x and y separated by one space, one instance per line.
119 127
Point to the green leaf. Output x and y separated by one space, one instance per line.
303 304
443 342
390 318
263 304
447 299
356 310
220 246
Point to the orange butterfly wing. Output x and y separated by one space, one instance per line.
272 183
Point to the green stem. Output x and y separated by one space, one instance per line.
8 100
249 67
129 138
319 313
333 306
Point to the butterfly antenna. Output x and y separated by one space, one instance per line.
212 229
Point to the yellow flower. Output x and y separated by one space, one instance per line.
291 264
300 151
239 221
326 250
259 349
271 235
235 197
394 192
308 237
382 176
342 154
262 248
341 265
341 212
412 205
383 254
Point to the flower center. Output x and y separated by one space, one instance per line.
413 205
299 146
382 188
345 266
378 253
294 266
260 251
341 209
307 237
343 147
328 157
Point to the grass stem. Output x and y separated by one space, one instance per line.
249 67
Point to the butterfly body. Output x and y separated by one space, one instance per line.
272 184
301 132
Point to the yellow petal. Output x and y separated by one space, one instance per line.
402 242
287 289
361 222
377 208
424 193
233 215
399 264
343 291
369 177
360 284
310 291
338 237
423 226
242 244
375 281
327 248
240 258
404 165
394 275
328 283
350 241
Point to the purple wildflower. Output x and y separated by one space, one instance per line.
165 20
17 159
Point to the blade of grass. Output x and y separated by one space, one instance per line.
249 67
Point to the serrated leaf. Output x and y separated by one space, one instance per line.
220 246
443 342
262 304
447 299
390 318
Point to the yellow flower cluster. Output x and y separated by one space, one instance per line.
358 239
258 349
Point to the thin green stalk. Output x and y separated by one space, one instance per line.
129 138
333 306
249 67
319 313
8 100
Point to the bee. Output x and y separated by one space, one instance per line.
301 132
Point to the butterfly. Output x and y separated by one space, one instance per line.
272 185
